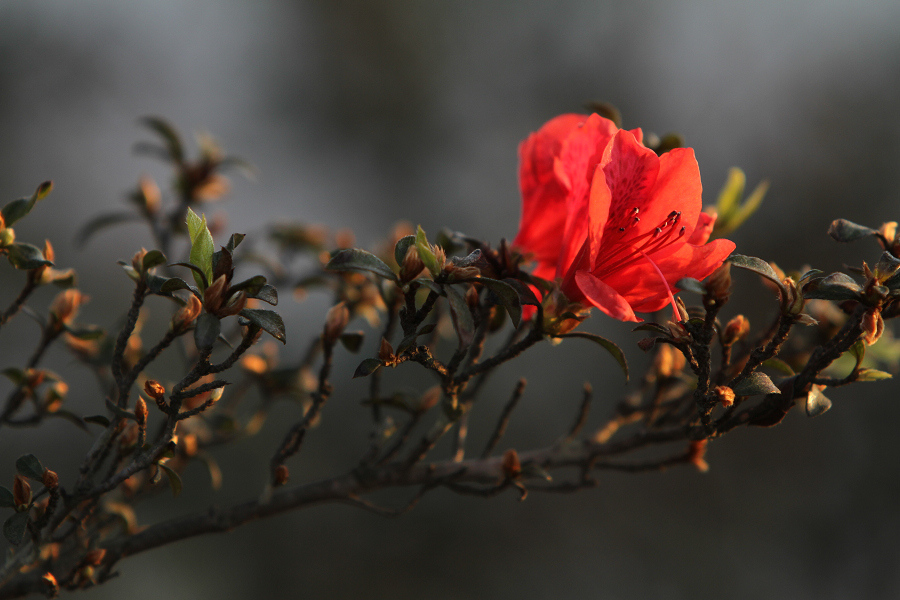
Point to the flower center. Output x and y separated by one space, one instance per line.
622 245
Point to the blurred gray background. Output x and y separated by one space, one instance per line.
359 114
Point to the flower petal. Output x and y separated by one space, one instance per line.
604 297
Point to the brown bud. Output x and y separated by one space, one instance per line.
212 297
429 399
49 254
872 326
281 475
235 305
412 265
696 454
736 330
154 389
65 306
137 261
140 412
385 351
49 585
335 322
186 314
50 479
472 296
188 444
21 493
95 557
725 395
718 285
511 466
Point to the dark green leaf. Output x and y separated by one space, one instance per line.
689 284
174 479
169 136
17 209
604 343
90 332
526 296
29 466
653 328
153 258
367 367
17 376
7 500
266 293
14 528
509 297
843 230
354 259
70 417
352 341
102 222
755 384
268 321
402 247
26 256
816 403
250 286
175 283
206 330
836 287
758 266
461 315
234 241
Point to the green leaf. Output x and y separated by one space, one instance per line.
268 320
352 340
29 466
732 192
836 287
508 296
779 365
26 257
206 330
354 259
250 286
816 403
604 343
653 328
426 253
402 247
17 209
169 136
202 247
174 479
17 376
367 367
461 316
756 384
153 258
872 375
199 274
174 284
234 241
14 528
7 500
758 266
689 284
90 332
266 293
844 231
858 352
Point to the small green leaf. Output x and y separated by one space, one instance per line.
352 340
872 375
816 403
29 466
756 384
202 247
461 316
206 330
653 328
689 284
26 257
779 365
169 136
174 479
758 266
7 500
268 320
14 527
844 231
508 296
153 258
234 241
604 343
174 284
402 247
426 253
732 192
354 259
17 209
367 367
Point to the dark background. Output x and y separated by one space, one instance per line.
358 114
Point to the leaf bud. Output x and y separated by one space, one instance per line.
137 261
735 330
385 351
154 389
140 412
7 236
872 325
511 466
21 493
50 479
335 322
412 265
49 585
718 285
281 475
725 395
696 454
65 306
186 314
212 297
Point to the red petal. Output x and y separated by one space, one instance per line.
604 297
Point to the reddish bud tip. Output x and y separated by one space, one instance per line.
511 466
281 475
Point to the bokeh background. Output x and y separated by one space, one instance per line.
358 114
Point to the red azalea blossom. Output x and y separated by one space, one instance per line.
615 223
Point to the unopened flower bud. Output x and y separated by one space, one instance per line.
735 330
335 322
186 314
385 351
281 475
140 412
696 454
412 265
212 297
511 466
50 479
872 326
472 296
718 285
154 389
21 493
725 395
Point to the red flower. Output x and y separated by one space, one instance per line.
615 223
